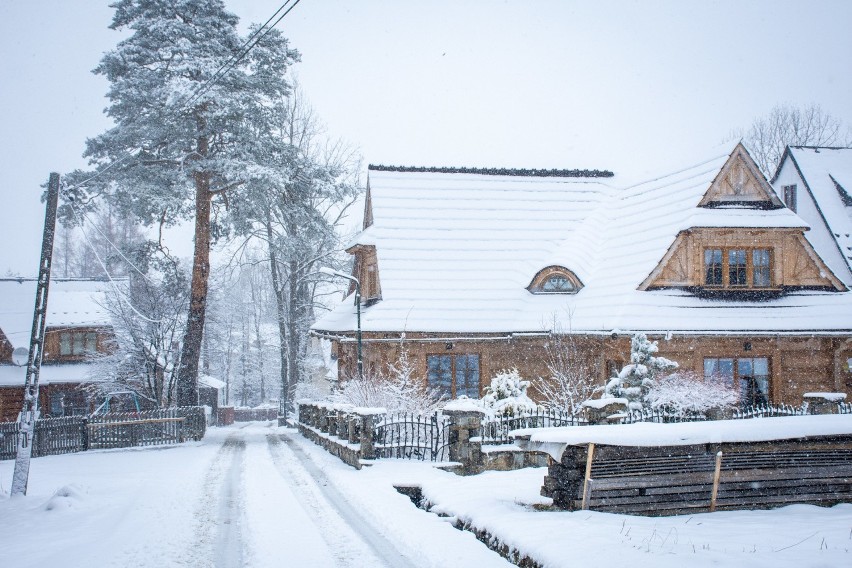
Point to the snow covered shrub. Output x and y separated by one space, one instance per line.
507 394
636 379
395 389
686 391
571 379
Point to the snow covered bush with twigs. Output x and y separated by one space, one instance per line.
636 379
571 373
396 389
688 392
507 395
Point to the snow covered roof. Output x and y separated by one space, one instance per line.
212 382
70 303
827 173
13 376
457 251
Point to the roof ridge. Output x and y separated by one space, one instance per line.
520 172
805 147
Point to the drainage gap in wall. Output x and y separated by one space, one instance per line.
513 555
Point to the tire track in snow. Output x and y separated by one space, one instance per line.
354 542
218 543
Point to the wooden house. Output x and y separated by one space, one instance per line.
473 271
76 328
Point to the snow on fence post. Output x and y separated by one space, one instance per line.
465 429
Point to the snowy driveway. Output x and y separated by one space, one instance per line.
251 495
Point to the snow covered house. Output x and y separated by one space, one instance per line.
816 184
76 326
478 270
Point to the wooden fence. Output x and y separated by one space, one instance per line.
52 436
116 430
147 428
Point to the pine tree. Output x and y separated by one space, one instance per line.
636 379
185 142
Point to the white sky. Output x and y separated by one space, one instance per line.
621 85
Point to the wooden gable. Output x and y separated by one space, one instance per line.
795 264
740 182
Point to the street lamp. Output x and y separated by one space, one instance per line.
337 273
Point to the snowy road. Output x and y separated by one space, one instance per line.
251 495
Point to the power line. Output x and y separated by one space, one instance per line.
115 287
107 239
237 58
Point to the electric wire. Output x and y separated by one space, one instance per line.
237 58
115 287
82 222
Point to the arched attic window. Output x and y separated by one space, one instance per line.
555 280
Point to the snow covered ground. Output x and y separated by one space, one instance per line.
258 495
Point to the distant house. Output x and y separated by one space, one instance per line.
816 184
76 327
478 269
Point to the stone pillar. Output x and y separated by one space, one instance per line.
342 425
333 416
823 402
368 446
323 419
352 428
465 425
600 411
720 413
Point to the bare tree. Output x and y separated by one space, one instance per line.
571 371
787 125
148 316
298 216
395 389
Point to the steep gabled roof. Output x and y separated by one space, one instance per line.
457 252
70 303
827 175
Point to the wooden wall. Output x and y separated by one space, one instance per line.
51 344
797 364
793 262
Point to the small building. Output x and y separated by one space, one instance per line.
76 327
473 271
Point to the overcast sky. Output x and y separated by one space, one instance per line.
626 85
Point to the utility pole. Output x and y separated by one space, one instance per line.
29 412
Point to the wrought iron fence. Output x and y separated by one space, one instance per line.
769 411
412 436
663 415
495 430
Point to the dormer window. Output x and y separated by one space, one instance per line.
555 280
735 268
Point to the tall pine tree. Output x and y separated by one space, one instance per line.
184 142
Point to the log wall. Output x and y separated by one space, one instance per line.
797 364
